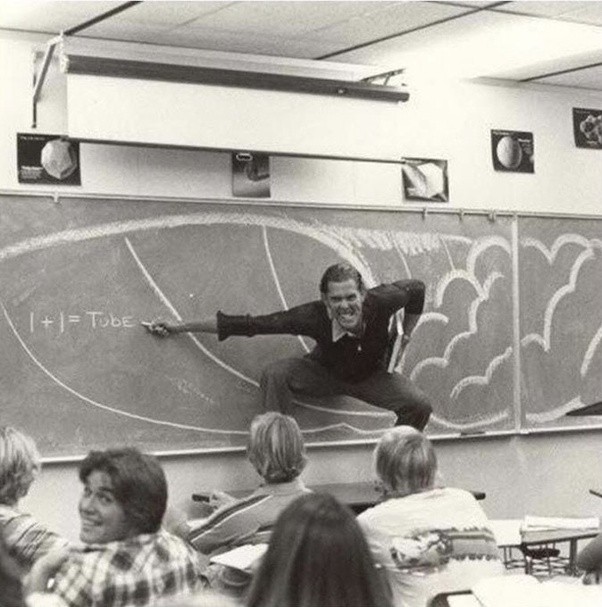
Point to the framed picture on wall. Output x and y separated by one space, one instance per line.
425 180
587 128
250 175
47 159
512 151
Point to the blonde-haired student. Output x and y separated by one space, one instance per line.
277 452
428 538
26 540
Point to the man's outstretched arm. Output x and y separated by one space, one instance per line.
163 328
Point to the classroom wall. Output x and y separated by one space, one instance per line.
538 474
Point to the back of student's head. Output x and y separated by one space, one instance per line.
139 484
19 464
317 557
276 447
405 461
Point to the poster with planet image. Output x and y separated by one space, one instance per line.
587 128
512 151
47 159
425 179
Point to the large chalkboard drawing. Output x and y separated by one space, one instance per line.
561 320
78 370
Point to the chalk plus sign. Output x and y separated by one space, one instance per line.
47 321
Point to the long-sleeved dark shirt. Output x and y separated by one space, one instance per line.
349 358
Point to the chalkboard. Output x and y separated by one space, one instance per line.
78 370
561 319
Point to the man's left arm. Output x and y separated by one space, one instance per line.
411 298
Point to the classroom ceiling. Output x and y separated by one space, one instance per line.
558 42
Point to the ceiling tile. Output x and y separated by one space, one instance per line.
591 13
51 17
441 35
588 78
227 41
385 21
169 14
283 18
544 8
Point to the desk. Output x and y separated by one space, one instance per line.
358 496
509 536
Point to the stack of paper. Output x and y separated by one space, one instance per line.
533 523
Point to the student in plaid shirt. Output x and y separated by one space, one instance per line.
128 559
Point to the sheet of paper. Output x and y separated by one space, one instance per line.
558 522
506 531
463 600
242 557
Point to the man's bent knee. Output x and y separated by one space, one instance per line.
415 414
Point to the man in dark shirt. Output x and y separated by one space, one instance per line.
351 328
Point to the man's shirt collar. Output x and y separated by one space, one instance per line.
338 332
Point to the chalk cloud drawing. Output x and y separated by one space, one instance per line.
560 341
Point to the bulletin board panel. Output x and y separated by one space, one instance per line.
78 276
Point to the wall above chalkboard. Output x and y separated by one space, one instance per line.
496 351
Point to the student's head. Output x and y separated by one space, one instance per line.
405 461
124 495
317 557
19 465
343 293
276 447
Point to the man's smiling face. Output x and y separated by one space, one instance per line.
344 301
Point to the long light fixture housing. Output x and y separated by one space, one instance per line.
86 56
120 68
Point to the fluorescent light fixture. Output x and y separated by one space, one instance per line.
506 47
148 62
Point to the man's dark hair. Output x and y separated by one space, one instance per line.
139 484
340 272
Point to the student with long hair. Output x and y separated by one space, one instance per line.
317 557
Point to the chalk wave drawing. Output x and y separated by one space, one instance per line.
590 351
481 380
387 240
565 239
479 423
483 293
554 414
283 301
544 340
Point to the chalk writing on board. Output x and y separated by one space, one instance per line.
89 319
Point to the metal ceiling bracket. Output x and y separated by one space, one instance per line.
39 78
